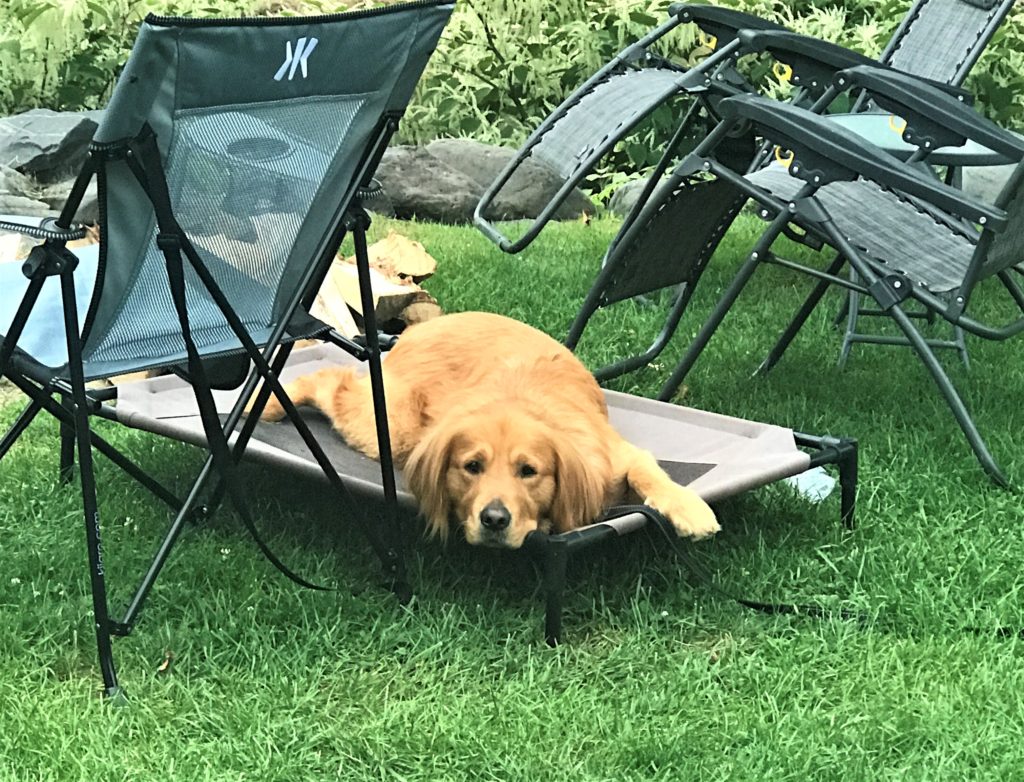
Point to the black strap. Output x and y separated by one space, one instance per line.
169 241
704 576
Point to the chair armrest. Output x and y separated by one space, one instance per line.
723 23
934 118
815 61
46 228
824 152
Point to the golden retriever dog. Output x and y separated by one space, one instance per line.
499 429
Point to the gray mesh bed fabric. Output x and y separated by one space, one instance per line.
716 455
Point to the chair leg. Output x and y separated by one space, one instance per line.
842 312
718 314
956 404
961 346
555 563
852 316
19 426
848 483
809 305
100 608
630 363
83 440
851 336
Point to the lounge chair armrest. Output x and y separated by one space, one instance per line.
815 62
934 118
46 228
824 152
723 23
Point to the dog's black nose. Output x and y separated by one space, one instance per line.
495 516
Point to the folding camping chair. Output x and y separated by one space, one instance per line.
666 239
229 163
908 236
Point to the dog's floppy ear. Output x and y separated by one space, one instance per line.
581 479
425 475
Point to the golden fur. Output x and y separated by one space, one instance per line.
500 428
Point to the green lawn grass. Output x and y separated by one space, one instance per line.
658 679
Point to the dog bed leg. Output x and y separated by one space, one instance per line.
556 558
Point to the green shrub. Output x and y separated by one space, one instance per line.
501 66
66 54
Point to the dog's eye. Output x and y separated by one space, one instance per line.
527 471
473 467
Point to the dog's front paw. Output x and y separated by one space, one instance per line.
689 514
273 411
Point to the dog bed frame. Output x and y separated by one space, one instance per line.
716 455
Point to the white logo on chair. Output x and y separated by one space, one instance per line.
292 60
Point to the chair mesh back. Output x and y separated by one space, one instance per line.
264 129
241 183
943 38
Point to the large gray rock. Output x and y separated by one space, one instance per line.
48 145
420 185
986 182
24 207
445 180
56 196
625 196
524 195
15 183
19 195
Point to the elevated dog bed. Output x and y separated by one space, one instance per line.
715 455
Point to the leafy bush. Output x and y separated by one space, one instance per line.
501 66
66 54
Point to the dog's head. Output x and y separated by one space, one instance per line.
501 473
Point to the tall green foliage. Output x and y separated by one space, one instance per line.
504 64
501 66
66 54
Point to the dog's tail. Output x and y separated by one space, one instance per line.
319 389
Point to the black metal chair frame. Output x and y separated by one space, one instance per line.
73 405
713 78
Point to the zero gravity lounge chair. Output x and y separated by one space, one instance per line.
906 235
229 163
667 237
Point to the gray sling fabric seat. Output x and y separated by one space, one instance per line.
899 232
717 456
610 107
229 163
907 236
612 102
